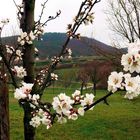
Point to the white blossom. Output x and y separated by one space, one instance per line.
35 121
61 120
54 76
39 30
132 86
26 38
73 116
35 97
132 83
115 81
134 48
31 36
19 94
77 95
9 49
36 50
27 87
81 111
62 104
88 100
69 52
131 95
22 92
20 71
39 117
18 53
131 60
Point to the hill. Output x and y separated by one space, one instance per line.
51 44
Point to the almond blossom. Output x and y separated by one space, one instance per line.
132 83
19 94
81 111
77 96
88 100
131 60
9 49
35 121
131 63
62 104
19 71
26 38
23 92
115 81
39 117
54 76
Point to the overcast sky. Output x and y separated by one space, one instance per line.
69 9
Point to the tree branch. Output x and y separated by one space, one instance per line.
98 101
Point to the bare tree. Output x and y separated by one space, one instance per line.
83 77
124 18
97 72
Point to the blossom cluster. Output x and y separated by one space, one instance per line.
17 53
24 91
26 38
63 105
124 81
39 30
41 117
9 49
55 59
54 76
69 53
19 71
89 19
131 60
127 81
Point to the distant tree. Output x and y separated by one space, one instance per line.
83 77
97 72
124 18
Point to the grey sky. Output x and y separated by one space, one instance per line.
69 9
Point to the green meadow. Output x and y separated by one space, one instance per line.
120 120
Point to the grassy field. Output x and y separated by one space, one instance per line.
118 121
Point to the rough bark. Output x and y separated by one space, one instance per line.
29 131
4 110
27 25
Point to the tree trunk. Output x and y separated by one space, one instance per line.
94 88
82 86
4 110
29 131
27 25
